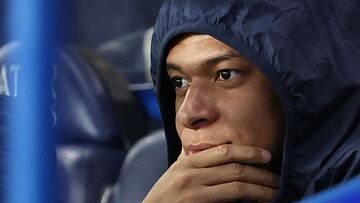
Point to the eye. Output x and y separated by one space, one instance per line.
227 74
179 82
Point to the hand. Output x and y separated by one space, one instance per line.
218 174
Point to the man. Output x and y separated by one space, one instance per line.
251 90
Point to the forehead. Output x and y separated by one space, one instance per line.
198 47
195 50
186 40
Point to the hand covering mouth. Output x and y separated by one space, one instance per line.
196 148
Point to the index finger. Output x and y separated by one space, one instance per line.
228 153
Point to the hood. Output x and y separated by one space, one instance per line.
309 50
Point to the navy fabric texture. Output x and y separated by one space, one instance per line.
310 51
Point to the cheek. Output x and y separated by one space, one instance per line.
178 103
179 127
268 121
241 115
257 117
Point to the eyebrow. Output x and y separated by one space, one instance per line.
208 62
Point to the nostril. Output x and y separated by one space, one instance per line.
200 122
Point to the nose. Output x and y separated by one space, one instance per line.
197 109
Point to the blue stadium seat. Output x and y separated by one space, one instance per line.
143 166
90 149
96 120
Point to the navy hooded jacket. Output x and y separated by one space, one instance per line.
310 51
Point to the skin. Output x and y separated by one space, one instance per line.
230 123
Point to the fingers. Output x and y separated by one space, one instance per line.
224 173
224 154
238 191
239 183
237 172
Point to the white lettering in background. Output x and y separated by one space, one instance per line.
14 71
9 80
54 96
4 85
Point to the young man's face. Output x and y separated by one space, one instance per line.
222 98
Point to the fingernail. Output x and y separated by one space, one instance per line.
266 156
